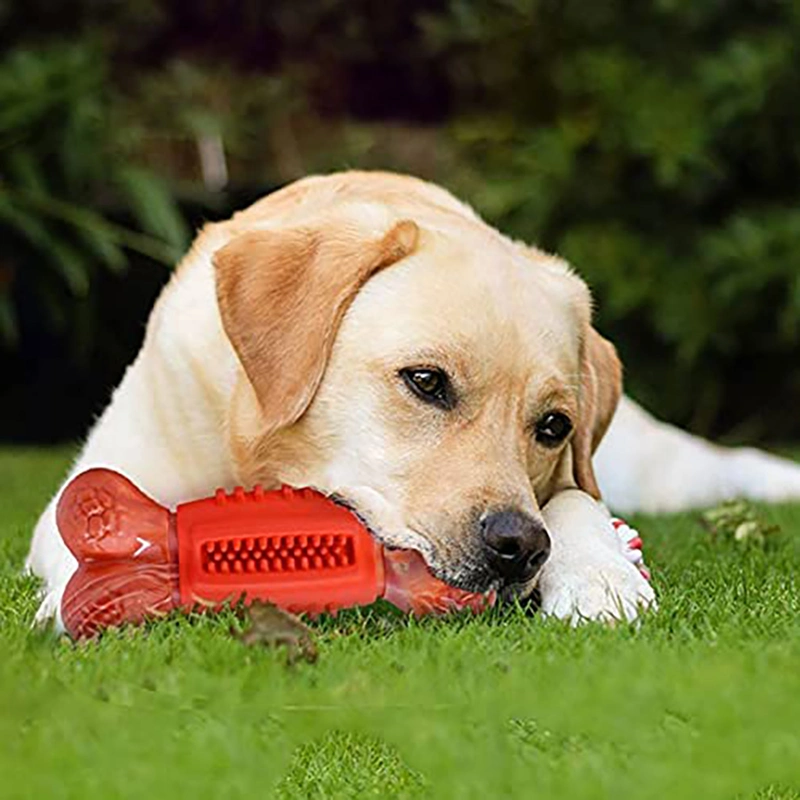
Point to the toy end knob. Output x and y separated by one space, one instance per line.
101 515
121 539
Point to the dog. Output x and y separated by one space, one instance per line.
367 334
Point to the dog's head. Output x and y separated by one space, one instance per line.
441 379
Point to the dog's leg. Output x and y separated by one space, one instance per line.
50 559
646 465
587 576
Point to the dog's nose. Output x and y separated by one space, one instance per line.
516 544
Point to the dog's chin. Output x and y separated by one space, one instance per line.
469 577
480 580
517 592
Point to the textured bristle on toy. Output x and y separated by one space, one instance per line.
295 548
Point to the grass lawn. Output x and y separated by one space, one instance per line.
702 701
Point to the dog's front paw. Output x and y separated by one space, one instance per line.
49 612
595 568
607 590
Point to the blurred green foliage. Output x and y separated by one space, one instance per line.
62 166
655 145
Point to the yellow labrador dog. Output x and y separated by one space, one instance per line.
369 335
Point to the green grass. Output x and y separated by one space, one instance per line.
701 701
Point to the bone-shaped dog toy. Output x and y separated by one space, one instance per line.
295 548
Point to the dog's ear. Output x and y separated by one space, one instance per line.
601 389
600 373
283 293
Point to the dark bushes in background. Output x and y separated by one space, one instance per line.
74 211
655 145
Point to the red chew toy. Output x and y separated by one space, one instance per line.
295 548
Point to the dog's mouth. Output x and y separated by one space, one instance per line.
414 578
411 586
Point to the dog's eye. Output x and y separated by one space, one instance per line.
553 428
431 385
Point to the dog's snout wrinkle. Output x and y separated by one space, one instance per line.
516 544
